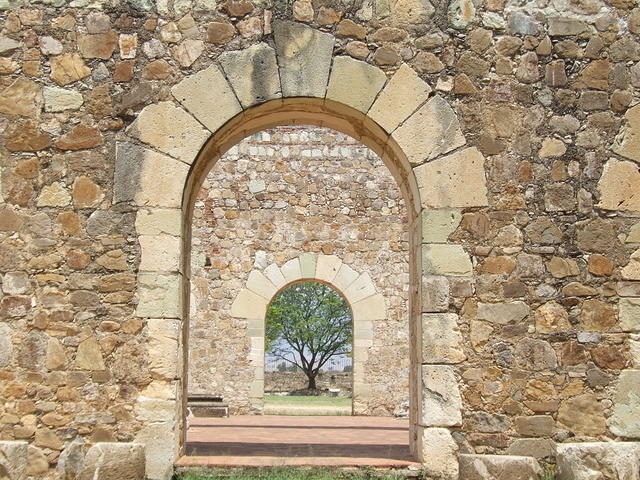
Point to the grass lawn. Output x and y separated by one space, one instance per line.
299 473
306 405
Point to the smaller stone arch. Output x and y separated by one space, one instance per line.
263 285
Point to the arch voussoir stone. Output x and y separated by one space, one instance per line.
355 83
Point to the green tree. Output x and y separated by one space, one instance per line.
307 324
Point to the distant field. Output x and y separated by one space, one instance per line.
306 405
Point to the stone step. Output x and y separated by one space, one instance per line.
601 460
499 467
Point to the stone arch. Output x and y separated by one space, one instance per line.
358 290
172 145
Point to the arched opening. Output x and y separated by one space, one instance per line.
314 113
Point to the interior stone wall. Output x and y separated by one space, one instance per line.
276 195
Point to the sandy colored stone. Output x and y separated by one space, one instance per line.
455 181
625 420
260 284
552 147
619 184
253 74
583 415
157 70
163 349
486 467
629 314
220 32
291 270
597 316
159 295
562 267
249 305
445 259
304 57
54 195
439 454
441 338
627 142
99 45
114 461
68 68
159 253
13 459
274 274
161 448
188 51
370 308
26 137
308 262
86 193
327 267
503 313
61 99
631 271
194 93
56 356
551 317
113 260
80 137
607 460
437 225
345 277
89 355
600 265
354 83
159 221
441 401
22 98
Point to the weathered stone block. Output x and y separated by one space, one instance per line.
619 184
274 274
439 454
249 305
402 95
430 132
163 334
360 289
159 221
304 58
260 284
435 294
13 460
441 338
494 467
308 264
195 94
355 83
455 181
370 308
60 99
445 259
114 461
253 74
533 447
159 295
627 143
625 420
437 225
503 313
291 270
327 267
159 253
441 400
601 460
161 449
345 277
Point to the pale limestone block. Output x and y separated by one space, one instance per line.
161 448
370 308
360 289
631 271
114 461
304 57
345 277
634 234
629 314
154 410
159 253
439 454
249 305
445 259
627 142
327 267
148 178
260 284
169 129
503 313
634 351
598 460
253 74
441 338
163 337
291 270
208 96
402 96
162 389
60 99
436 293
159 221
483 467
274 274
619 186
159 295
308 265
457 181
363 330
430 132
441 400
355 83
625 420
437 225
13 460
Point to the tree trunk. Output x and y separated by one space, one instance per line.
312 381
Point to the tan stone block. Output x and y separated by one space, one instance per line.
431 131
291 270
23 97
360 289
634 234
354 83
370 308
619 186
253 74
274 274
195 94
308 265
441 400
625 420
437 225
503 313
439 454
163 348
13 460
160 389
345 277
441 338
629 314
159 295
632 270
249 305
481 467
89 355
327 267
402 96
54 195
457 180
445 259
580 461
161 448
304 58
169 129
627 142
260 284
159 253
154 410
159 221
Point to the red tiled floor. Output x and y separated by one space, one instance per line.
265 440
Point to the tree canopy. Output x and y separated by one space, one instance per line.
307 324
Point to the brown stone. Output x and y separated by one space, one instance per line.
597 316
220 32
86 193
555 74
598 235
348 28
14 306
478 224
562 267
608 357
497 265
70 223
583 415
25 137
113 260
100 45
427 62
462 85
22 98
99 102
577 289
79 138
595 75
117 282
157 70
77 260
123 71
386 55
573 353
473 65
600 265
238 8
535 426
47 438
10 221
68 68
551 317
328 16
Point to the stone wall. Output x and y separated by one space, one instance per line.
291 381
276 195
511 127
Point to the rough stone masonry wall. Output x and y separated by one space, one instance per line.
546 90
274 196
291 381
